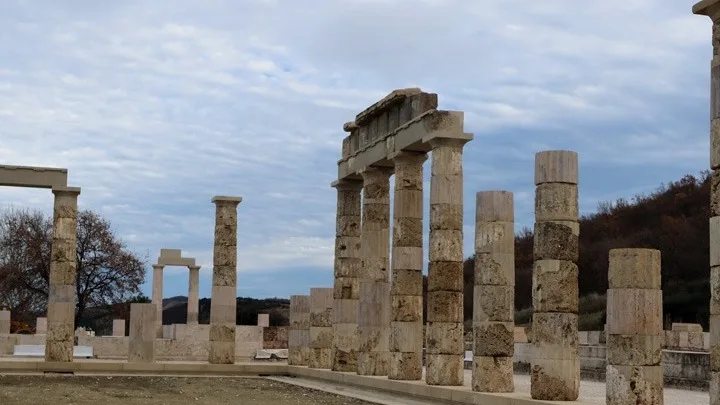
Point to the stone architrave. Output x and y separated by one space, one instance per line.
711 8
63 274
223 306
555 363
299 330
406 313
635 333
346 294
494 293
321 330
157 298
193 295
374 305
141 347
4 322
444 331
118 327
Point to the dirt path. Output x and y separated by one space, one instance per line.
70 390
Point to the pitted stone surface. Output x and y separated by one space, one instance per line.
493 339
634 385
555 286
555 241
492 374
635 350
444 369
494 303
556 202
555 380
634 311
556 166
299 330
495 269
634 268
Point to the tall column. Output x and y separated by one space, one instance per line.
321 330
223 306
711 8
4 322
299 330
635 328
63 276
141 348
346 294
193 295
374 305
157 298
555 364
494 293
406 313
444 332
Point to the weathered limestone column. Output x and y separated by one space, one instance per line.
321 330
711 8
223 306
555 364
635 328
63 276
193 295
494 293
299 330
348 264
444 330
118 327
4 322
141 348
157 298
41 326
406 313
374 305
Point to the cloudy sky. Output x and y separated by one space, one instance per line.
156 106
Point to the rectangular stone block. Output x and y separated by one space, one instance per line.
556 240
686 327
373 362
555 336
406 282
345 311
494 339
4 322
714 241
554 379
446 216
445 276
446 189
495 237
406 308
347 247
495 269
634 268
556 202
222 352
347 225
555 286
634 384
444 338
61 312
347 288
635 350
405 366
556 166
406 337
407 258
715 290
409 202
374 305
445 306
446 246
696 340
632 311
714 388
321 337
444 369
494 206
492 374
494 303
41 326
714 145
298 338
407 232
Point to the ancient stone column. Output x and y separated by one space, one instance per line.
444 331
321 329
118 327
406 313
63 275
193 295
374 305
157 298
4 322
143 327
555 364
299 330
223 306
635 328
494 293
348 263
711 8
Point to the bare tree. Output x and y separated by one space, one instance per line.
107 272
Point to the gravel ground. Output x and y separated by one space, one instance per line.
77 390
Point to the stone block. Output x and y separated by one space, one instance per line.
632 311
696 340
715 290
446 216
686 327
407 232
405 366
492 374
409 203
221 352
714 147
4 322
321 338
556 202
444 369
555 286
493 339
634 268
347 225
714 342
345 311
406 282
714 388
406 308
714 241
519 335
495 237
555 380
556 166
373 363
374 305
635 350
347 288
555 240
555 336
347 247
493 303
494 269
406 337
494 206
445 276
444 338
407 258
634 385
446 245
672 339
445 306
61 312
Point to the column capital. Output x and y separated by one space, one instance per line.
459 141
194 268
373 172
710 8
226 200
408 157
158 266
66 191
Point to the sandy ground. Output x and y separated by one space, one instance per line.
67 390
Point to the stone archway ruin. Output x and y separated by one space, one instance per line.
63 264
173 257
